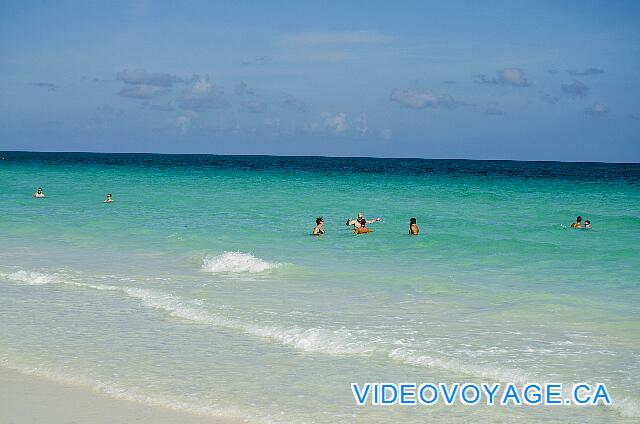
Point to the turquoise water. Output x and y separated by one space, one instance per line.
200 288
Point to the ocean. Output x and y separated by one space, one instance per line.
201 289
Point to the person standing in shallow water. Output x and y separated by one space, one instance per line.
413 227
39 193
358 221
319 228
578 223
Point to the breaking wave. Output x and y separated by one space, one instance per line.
332 342
237 262
30 278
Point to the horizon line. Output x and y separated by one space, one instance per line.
314 156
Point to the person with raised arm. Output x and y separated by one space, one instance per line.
357 223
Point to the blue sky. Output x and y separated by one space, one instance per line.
485 80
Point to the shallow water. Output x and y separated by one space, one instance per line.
201 289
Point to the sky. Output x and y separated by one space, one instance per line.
543 80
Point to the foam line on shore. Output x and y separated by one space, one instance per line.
117 391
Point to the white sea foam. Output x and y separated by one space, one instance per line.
30 278
486 372
320 340
117 391
627 407
332 342
232 262
177 307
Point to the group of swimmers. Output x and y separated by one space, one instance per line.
40 193
360 225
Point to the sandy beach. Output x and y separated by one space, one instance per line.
26 399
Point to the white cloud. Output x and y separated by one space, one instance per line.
598 109
361 125
141 76
337 123
184 122
506 76
513 76
417 98
140 84
340 124
202 95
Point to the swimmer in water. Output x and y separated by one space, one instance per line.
319 228
587 225
39 193
413 227
362 229
109 198
578 223
358 221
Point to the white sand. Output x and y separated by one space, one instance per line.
26 399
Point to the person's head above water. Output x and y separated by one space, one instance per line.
578 218
39 189
412 221
319 220
587 223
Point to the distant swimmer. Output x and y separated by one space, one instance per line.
362 229
39 193
109 198
587 224
319 228
413 227
578 223
357 223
